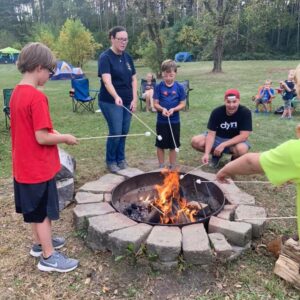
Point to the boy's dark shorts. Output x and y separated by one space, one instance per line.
167 142
37 201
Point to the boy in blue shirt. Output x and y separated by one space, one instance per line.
169 98
288 94
265 96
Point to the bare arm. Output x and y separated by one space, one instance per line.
209 141
134 91
244 165
44 137
106 78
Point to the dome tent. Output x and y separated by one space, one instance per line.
65 70
184 57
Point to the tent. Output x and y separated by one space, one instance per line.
8 55
184 57
65 70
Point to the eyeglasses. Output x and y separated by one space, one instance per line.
51 71
124 40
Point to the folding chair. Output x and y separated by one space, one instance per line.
6 97
142 91
80 94
187 89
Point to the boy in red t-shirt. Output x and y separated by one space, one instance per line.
35 157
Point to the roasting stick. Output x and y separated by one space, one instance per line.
159 137
147 133
199 167
176 148
199 181
267 218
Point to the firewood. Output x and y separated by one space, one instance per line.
288 264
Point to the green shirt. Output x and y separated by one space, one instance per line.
282 164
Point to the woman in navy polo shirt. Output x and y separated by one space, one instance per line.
118 88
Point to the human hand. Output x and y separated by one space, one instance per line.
70 139
118 101
219 150
205 158
165 112
133 105
222 177
171 111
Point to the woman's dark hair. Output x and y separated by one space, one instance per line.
113 31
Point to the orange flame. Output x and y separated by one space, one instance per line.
173 208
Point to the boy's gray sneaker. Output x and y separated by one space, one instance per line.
57 262
57 242
113 168
123 164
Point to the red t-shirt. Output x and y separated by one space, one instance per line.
32 162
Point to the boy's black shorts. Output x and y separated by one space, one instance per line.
37 201
167 142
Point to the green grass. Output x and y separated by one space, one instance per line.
208 90
250 277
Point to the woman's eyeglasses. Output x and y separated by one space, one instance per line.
124 40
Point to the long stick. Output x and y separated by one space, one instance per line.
139 120
267 218
111 136
182 176
176 148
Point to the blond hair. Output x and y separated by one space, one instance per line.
297 80
33 55
168 65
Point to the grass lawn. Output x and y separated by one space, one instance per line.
249 277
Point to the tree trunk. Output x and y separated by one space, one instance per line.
218 53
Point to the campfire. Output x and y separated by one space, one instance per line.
163 198
170 202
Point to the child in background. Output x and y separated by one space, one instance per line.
148 90
265 97
35 157
281 164
169 98
288 93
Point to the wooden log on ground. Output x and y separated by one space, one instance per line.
288 264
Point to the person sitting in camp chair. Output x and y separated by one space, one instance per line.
147 90
264 97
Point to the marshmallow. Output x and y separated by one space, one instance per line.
159 137
198 181
177 150
147 133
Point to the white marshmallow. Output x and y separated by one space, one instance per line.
147 133
177 150
198 181
159 137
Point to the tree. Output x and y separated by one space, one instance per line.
75 43
221 16
152 11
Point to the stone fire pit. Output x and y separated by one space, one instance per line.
108 229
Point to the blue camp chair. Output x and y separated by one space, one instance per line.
80 94
187 89
6 97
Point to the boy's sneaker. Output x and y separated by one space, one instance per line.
215 160
57 242
57 262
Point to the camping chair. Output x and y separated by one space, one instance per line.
142 91
260 106
6 97
80 94
187 89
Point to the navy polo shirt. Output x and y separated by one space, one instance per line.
121 69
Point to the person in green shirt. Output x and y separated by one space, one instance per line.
280 165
